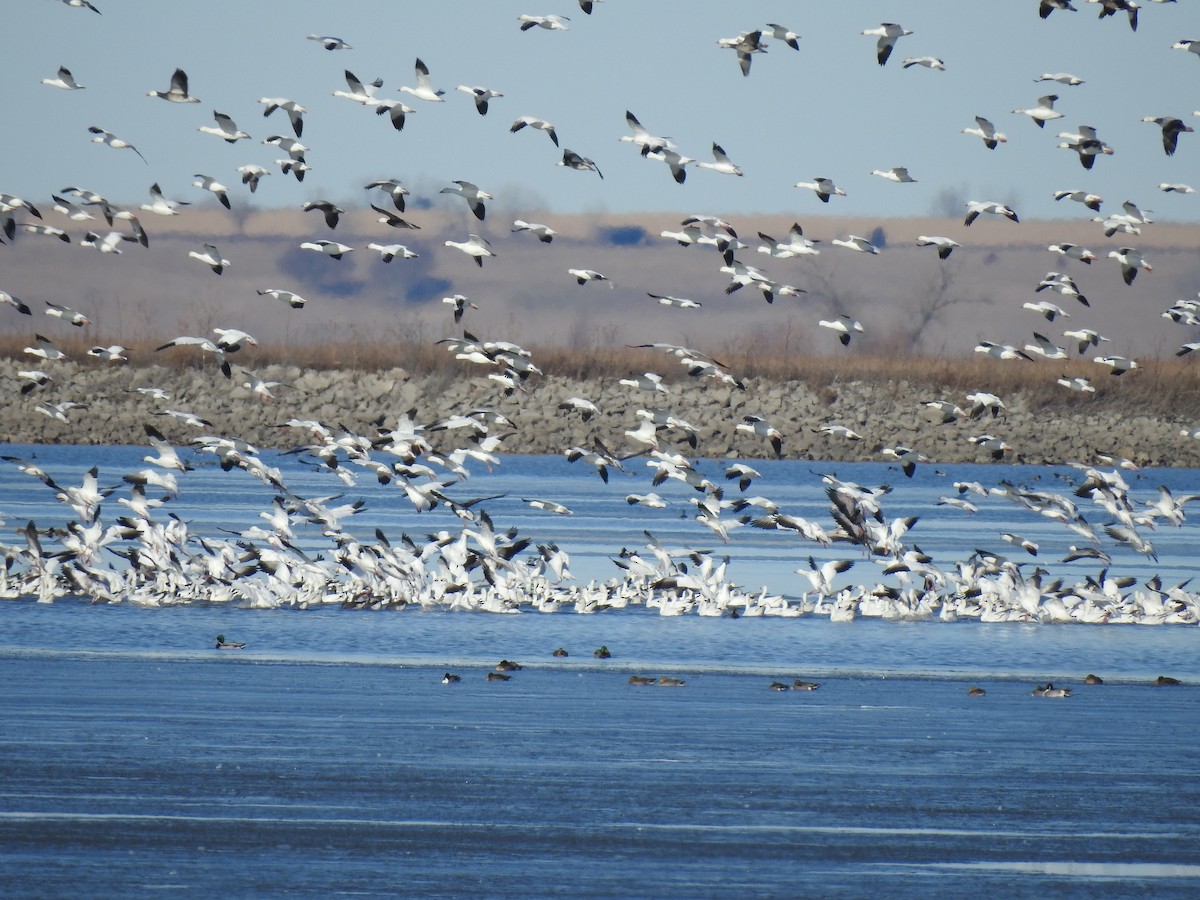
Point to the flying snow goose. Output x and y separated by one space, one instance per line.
472 194
1043 112
1131 260
64 81
543 233
1119 364
680 302
294 300
642 139
1091 201
288 145
928 62
1062 284
796 245
108 243
1172 128
1045 348
424 89
72 211
1087 144
210 257
8 299
111 140
359 92
113 353
583 276
824 188
648 381
178 91
475 247
845 326
329 42
1085 337
744 44
675 162
67 314
460 303
160 205
1190 46
533 122
329 248
854 242
975 207
392 220
1078 383
1045 308
1074 251
759 426
45 230
722 163
294 110
898 174
215 187
1061 77
789 37
1178 188
1112 7
1045 7
331 211
205 345
45 349
945 246
390 251
226 129
480 95
987 132
573 160
888 33
251 174
392 188
81 4
550 23
1001 351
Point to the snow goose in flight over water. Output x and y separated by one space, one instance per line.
888 33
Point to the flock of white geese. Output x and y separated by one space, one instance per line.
145 553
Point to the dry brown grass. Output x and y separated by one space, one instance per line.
1161 387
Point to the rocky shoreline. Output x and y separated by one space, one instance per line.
114 412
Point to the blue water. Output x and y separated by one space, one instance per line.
328 758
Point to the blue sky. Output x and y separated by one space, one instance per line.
826 110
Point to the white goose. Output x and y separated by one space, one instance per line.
226 129
898 174
329 248
824 188
1074 251
111 140
294 300
976 207
722 163
1043 112
390 251
64 81
888 33
536 123
846 326
987 132
480 95
160 205
543 233
215 187
1131 260
211 257
178 91
945 246
424 89
294 110
550 23
475 247
329 42
472 194
1091 201
854 242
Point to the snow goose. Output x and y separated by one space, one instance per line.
475 247
81 4
928 62
294 300
1190 46
1091 201
1045 308
722 163
72 211
583 276
888 33
480 95
58 411
1062 284
975 207
987 132
1045 348
331 211
226 129
586 6
67 314
290 146
215 187
390 251
1177 188
680 302
1086 143
211 257
1074 251
533 122
111 140
251 175
108 243
45 230
178 91
854 242
1001 351
1043 112
898 174
796 245
113 353
459 303
1119 364
1084 338
1078 383
294 110
1131 260
7 299
744 44
296 167
675 162
1061 78
644 140
1045 7
945 246
786 35
824 188
759 426
472 194
205 345
329 248
64 80
1172 128
394 189
359 92
45 349
572 160
550 22
392 220
329 42
1112 7
424 89
543 233
845 326
160 205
